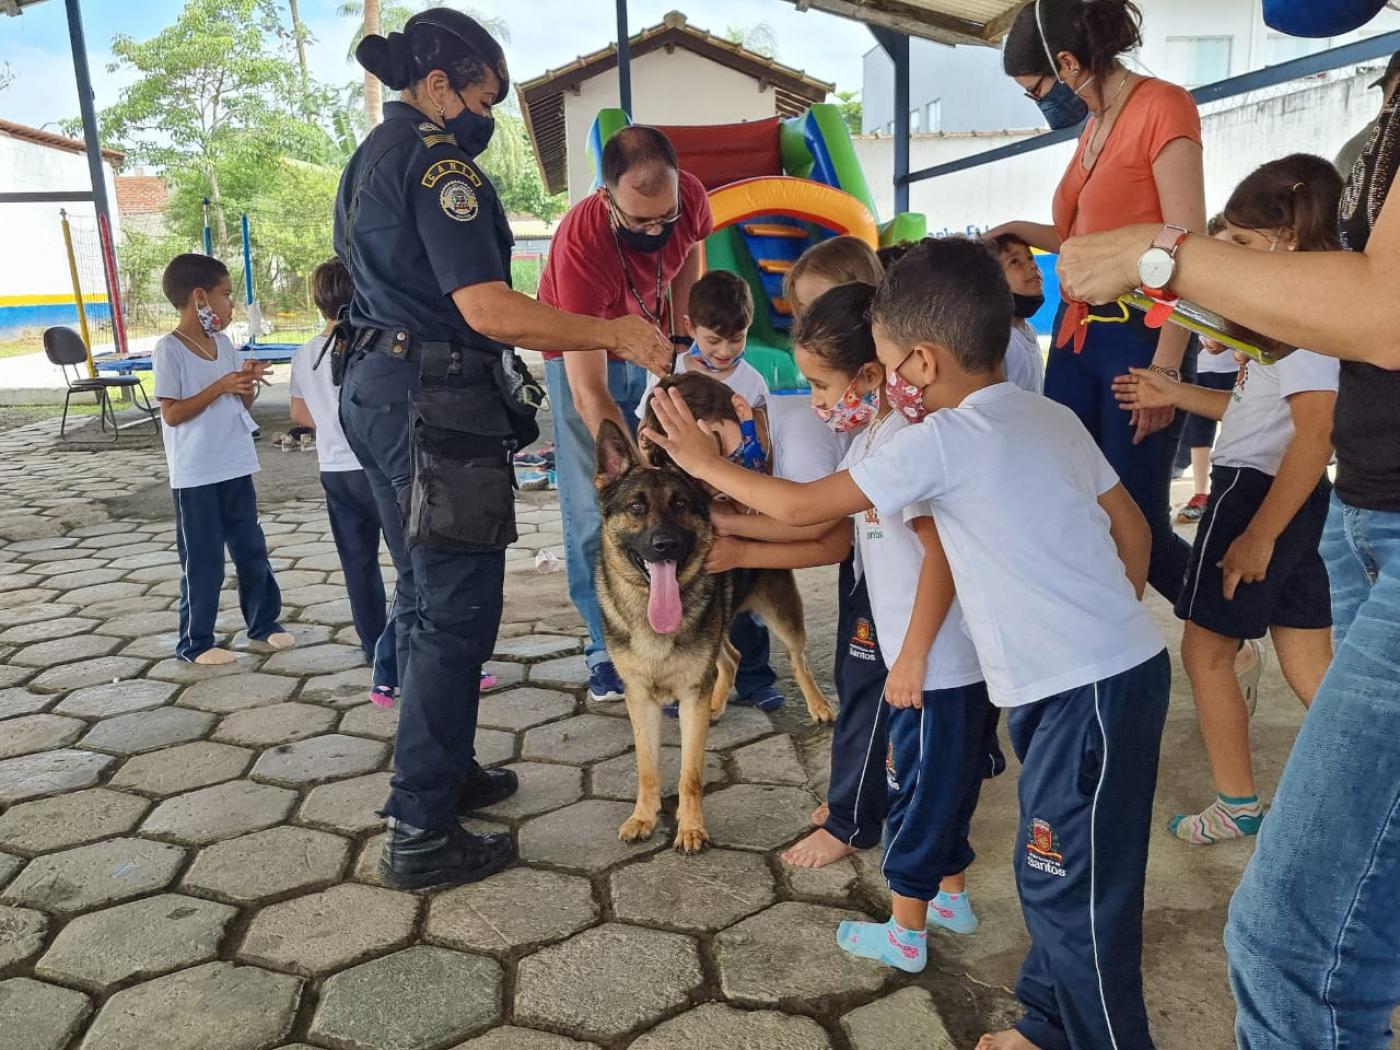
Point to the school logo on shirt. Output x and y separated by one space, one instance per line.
458 201
863 640
1043 849
873 527
891 777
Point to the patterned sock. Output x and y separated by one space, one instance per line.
1225 818
885 942
952 911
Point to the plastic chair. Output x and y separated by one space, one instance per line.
64 348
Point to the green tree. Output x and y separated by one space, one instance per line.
758 38
211 93
511 164
301 35
851 110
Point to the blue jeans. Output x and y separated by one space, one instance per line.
578 499
355 527
1314 931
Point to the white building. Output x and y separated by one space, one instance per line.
1190 42
680 75
36 285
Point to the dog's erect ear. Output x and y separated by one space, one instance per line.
615 455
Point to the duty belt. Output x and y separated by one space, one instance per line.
436 359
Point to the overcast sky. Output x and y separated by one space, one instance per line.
544 34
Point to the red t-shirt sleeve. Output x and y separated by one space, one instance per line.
1172 115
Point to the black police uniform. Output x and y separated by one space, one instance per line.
415 220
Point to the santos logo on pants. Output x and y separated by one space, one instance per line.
1043 849
863 645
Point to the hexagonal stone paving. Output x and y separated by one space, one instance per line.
494 747
148 730
315 659
327 931
186 673
21 935
23 736
349 806
542 787
580 739
319 758
700 893
46 630
144 938
343 688
530 648
790 952
567 672
606 981
88 672
268 864
757 816
225 695
104 701
49 772
176 770
140 624
771 761
906 1020
493 916
511 1038
215 1005
277 724
415 998
738 725
65 650
70 820
224 811
382 723
715 1026
517 709
617 777
835 881
583 836
91 876
38 1016
17 702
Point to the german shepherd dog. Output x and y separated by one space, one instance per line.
666 622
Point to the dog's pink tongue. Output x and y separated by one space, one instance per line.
664 604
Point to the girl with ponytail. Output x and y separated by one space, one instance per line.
1138 160
1255 566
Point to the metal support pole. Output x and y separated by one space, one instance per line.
208 236
77 291
624 60
247 261
94 157
896 45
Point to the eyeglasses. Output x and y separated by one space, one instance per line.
1035 94
636 225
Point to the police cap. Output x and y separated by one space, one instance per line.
433 39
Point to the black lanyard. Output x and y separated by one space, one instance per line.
654 316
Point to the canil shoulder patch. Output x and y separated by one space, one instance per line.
443 168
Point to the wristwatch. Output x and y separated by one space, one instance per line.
1158 263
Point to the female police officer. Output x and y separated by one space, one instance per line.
432 414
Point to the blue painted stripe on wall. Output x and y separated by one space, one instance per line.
15 320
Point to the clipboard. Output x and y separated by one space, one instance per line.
1196 318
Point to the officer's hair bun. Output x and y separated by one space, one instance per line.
389 58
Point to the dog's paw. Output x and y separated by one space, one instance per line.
823 715
691 840
635 829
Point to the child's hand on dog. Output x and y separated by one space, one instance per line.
690 445
904 687
726 553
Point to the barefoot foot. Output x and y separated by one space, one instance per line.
1007 1040
817 850
215 658
820 814
280 640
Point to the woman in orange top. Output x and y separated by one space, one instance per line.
1138 160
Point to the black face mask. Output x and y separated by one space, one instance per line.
471 130
645 242
1024 306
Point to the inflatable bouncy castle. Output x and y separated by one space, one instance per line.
776 187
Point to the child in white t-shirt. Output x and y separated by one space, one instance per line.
1255 568
1054 613
205 393
1025 361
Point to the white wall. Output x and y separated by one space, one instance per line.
35 263
1238 134
676 88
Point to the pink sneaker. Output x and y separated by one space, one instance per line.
488 681
382 696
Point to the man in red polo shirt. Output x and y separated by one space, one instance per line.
633 246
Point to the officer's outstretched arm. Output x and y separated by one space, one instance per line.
499 312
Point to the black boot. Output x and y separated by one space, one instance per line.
415 859
486 787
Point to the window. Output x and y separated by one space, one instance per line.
1278 47
935 115
915 117
1196 60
